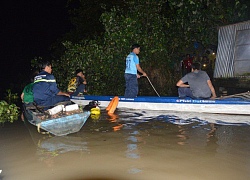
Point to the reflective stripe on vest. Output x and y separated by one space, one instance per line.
45 80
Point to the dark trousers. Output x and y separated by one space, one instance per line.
52 101
79 89
131 90
185 92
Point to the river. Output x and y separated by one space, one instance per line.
131 145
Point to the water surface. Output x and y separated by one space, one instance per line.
131 145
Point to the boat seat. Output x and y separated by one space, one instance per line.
32 106
64 103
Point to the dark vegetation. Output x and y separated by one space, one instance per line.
166 29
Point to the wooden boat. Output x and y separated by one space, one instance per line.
227 105
60 124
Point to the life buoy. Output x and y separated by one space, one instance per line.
112 105
72 85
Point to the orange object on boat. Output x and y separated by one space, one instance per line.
112 105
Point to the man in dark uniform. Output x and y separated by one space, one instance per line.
45 90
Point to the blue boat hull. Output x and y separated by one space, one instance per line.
59 126
225 106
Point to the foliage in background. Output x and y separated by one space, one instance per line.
198 21
8 112
85 15
166 30
11 96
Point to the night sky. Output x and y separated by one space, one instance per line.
27 29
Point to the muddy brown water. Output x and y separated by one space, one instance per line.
128 146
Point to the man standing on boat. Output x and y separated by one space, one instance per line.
45 90
132 66
199 84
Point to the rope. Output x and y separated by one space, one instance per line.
38 129
245 95
152 86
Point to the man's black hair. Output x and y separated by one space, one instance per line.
43 64
196 66
135 46
78 71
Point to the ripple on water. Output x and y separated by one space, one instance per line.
181 118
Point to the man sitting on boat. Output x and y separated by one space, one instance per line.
199 84
77 84
45 90
27 96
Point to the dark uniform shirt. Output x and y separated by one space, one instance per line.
44 88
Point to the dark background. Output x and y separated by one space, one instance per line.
28 28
